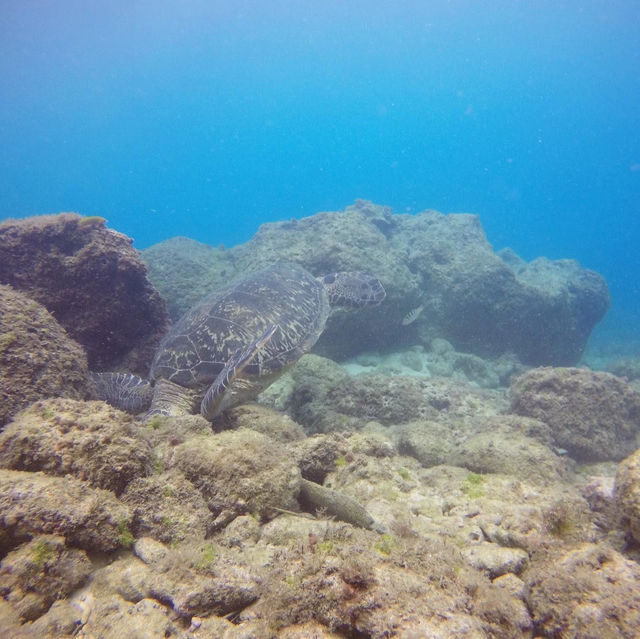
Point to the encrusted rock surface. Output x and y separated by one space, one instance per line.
35 503
184 271
92 281
594 416
88 440
471 520
466 553
167 507
240 471
37 357
479 523
627 494
40 572
589 591
323 397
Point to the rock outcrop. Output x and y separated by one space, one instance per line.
627 494
38 359
88 440
594 416
484 303
91 280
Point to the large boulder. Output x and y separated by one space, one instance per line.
482 302
38 359
37 504
240 471
184 271
93 282
594 416
88 440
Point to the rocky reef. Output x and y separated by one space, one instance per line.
428 492
484 303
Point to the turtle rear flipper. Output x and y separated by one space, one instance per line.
127 392
212 401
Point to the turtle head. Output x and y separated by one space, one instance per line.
352 289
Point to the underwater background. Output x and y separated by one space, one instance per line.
208 118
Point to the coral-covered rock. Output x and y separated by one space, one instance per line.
591 591
88 440
323 397
34 504
594 416
317 455
184 271
627 494
484 303
240 471
39 572
510 454
430 442
491 447
93 282
303 394
37 357
149 550
396 400
113 617
197 579
217 595
10 625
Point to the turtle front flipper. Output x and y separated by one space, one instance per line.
124 391
212 403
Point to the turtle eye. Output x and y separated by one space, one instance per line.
330 279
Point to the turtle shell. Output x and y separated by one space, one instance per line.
207 336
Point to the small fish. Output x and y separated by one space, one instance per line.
412 316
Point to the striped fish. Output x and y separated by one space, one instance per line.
412 316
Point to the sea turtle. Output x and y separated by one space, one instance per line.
236 341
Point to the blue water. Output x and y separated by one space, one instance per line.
207 118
